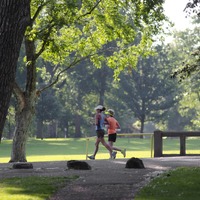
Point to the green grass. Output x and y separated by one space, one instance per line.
31 188
179 184
66 149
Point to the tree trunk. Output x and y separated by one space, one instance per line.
52 129
77 126
102 85
142 124
14 17
24 115
40 128
23 121
26 102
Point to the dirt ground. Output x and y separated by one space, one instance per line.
108 179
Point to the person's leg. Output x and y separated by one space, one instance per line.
116 148
92 157
110 143
111 139
107 146
96 146
113 148
123 151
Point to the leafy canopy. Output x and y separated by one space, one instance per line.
113 31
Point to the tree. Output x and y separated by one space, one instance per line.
187 68
185 42
66 33
14 17
193 7
149 91
48 110
187 73
80 94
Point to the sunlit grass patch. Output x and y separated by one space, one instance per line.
31 188
180 184
62 149
47 158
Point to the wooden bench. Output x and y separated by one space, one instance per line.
158 142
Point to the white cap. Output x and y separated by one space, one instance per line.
111 111
99 107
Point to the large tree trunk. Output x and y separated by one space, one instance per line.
25 111
14 17
24 119
26 102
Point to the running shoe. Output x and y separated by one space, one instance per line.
91 157
124 152
114 153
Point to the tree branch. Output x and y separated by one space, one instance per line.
45 41
91 10
38 12
60 73
76 60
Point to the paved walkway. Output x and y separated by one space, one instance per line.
108 179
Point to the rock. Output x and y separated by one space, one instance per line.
78 165
22 165
135 163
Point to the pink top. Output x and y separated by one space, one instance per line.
113 125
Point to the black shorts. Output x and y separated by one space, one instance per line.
100 133
112 137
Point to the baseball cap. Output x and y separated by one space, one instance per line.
99 107
111 112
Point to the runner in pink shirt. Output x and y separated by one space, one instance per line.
112 125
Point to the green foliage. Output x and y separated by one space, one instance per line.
186 46
32 188
192 8
67 32
185 53
179 184
190 68
117 34
148 91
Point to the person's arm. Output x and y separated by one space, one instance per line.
118 126
106 122
97 120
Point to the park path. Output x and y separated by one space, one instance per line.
108 179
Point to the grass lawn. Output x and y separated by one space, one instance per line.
67 149
31 188
179 184
183 183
